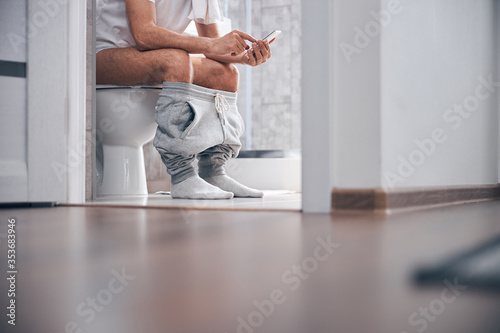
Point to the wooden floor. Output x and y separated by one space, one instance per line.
217 272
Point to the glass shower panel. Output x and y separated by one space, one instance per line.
269 95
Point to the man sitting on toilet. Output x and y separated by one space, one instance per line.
141 42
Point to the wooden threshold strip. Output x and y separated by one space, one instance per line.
382 200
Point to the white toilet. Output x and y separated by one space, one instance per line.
125 121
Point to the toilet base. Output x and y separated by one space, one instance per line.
124 172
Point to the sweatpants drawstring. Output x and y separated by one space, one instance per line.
221 106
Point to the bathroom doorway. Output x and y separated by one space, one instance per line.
270 103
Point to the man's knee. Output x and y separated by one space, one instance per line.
229 78
233 77
175 65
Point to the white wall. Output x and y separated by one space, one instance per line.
434 54
13 165
398 67
357 100
13 30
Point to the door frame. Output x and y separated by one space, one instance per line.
56 101
317 106
77 99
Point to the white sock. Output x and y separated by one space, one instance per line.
196 188
228 184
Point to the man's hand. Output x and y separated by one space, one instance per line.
240 53
261 52
233 43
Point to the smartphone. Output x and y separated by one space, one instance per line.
272 35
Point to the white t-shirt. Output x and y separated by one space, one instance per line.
112 28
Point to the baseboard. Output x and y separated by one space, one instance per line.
382 200
13 205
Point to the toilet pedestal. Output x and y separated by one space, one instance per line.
124 172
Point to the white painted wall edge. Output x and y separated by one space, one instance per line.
497 15
77 80
317 126
94 126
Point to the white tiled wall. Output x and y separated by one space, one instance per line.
276 84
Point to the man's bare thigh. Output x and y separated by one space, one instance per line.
128 66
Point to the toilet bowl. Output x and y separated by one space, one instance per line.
125 121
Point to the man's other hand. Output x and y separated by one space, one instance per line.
233 43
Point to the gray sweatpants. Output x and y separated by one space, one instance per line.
196 121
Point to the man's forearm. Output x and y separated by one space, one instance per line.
227 59
156 37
